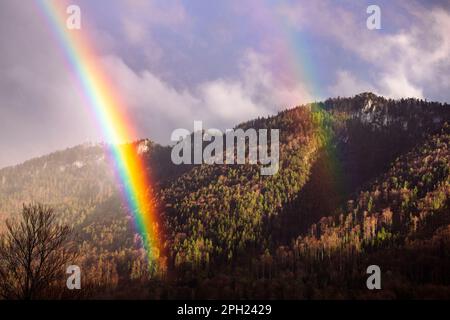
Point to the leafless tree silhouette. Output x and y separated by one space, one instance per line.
34 251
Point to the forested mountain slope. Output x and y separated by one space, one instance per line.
362 180
328 151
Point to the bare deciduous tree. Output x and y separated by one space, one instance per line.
34 251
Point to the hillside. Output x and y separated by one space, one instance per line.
362 180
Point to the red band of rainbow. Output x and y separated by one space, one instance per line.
117 130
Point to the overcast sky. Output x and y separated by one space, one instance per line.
222 62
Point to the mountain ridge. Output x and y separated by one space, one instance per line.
223 221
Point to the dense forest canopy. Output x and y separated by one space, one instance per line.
362 180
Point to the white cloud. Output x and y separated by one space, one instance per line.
260 83
347 84
407 62
222 103
397 86
229 101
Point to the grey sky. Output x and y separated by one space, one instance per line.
218 61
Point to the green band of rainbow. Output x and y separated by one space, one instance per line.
108 110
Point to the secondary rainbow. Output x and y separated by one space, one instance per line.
117 129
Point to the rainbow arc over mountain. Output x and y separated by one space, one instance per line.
108 109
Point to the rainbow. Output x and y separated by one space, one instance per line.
117 129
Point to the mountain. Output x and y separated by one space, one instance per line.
362 180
